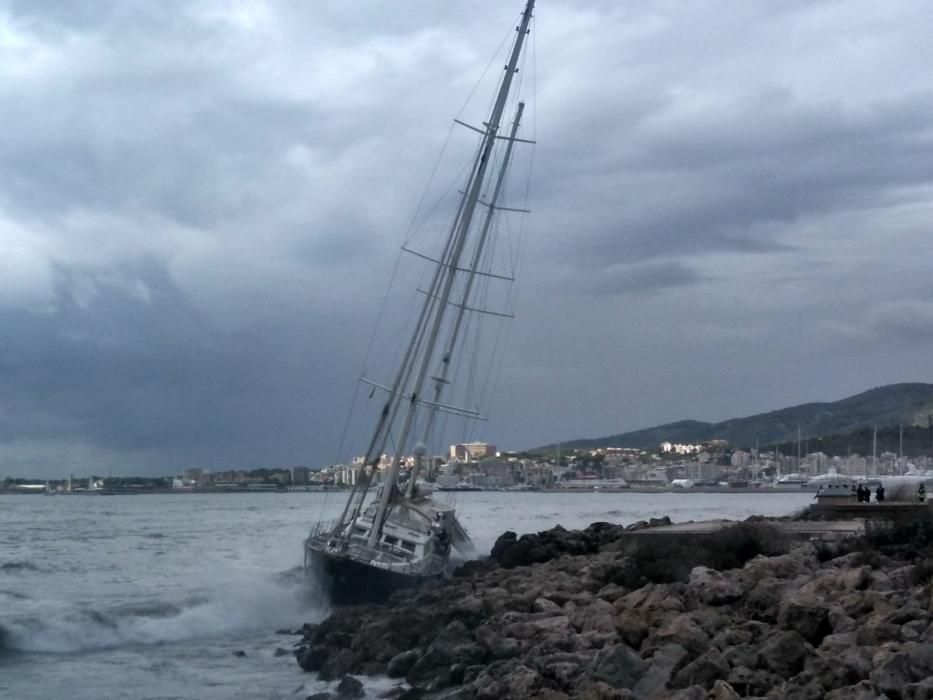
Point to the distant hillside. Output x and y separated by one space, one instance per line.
886 406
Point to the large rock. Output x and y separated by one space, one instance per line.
595 617
763 596
712 587
506 679
618 665
752 682
400 664
683 631
632 628
454 644
510 550
863 690
704 671
662 666
806 615
350 687
785 653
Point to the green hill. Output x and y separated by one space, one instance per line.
885 407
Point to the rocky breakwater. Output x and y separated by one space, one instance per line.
602 613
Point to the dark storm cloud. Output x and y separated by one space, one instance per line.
137 370
201 203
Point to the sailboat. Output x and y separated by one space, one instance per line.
403 537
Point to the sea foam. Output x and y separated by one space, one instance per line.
233 605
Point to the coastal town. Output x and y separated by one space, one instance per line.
479 466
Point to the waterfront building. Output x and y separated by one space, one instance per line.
472 451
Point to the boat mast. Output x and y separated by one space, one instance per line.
442 377
459 240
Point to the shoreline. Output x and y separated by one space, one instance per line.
613 613
575 491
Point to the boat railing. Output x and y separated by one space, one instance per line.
323 526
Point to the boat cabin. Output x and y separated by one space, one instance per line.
837 493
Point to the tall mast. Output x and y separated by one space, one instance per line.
447 271
798 448
442 377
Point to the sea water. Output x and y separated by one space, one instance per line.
183 596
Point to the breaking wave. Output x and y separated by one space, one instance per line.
244 605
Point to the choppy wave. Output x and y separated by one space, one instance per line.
233 607
18 565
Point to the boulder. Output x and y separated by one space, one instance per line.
749 682
721 690
921 690
694 692
400 664
619 666
892 675
784 653
761 600
806 615
337 664
703 671
632 628
453 645
497 646
712 587
506 679
863 690
662 666
350 687
683 631
595 617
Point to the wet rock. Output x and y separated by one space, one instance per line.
552 623
400 664
350 687
506 679
454 645
323 695
497 646
337 665
240 653
619 666
703 671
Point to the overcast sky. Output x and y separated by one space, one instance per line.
201 203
